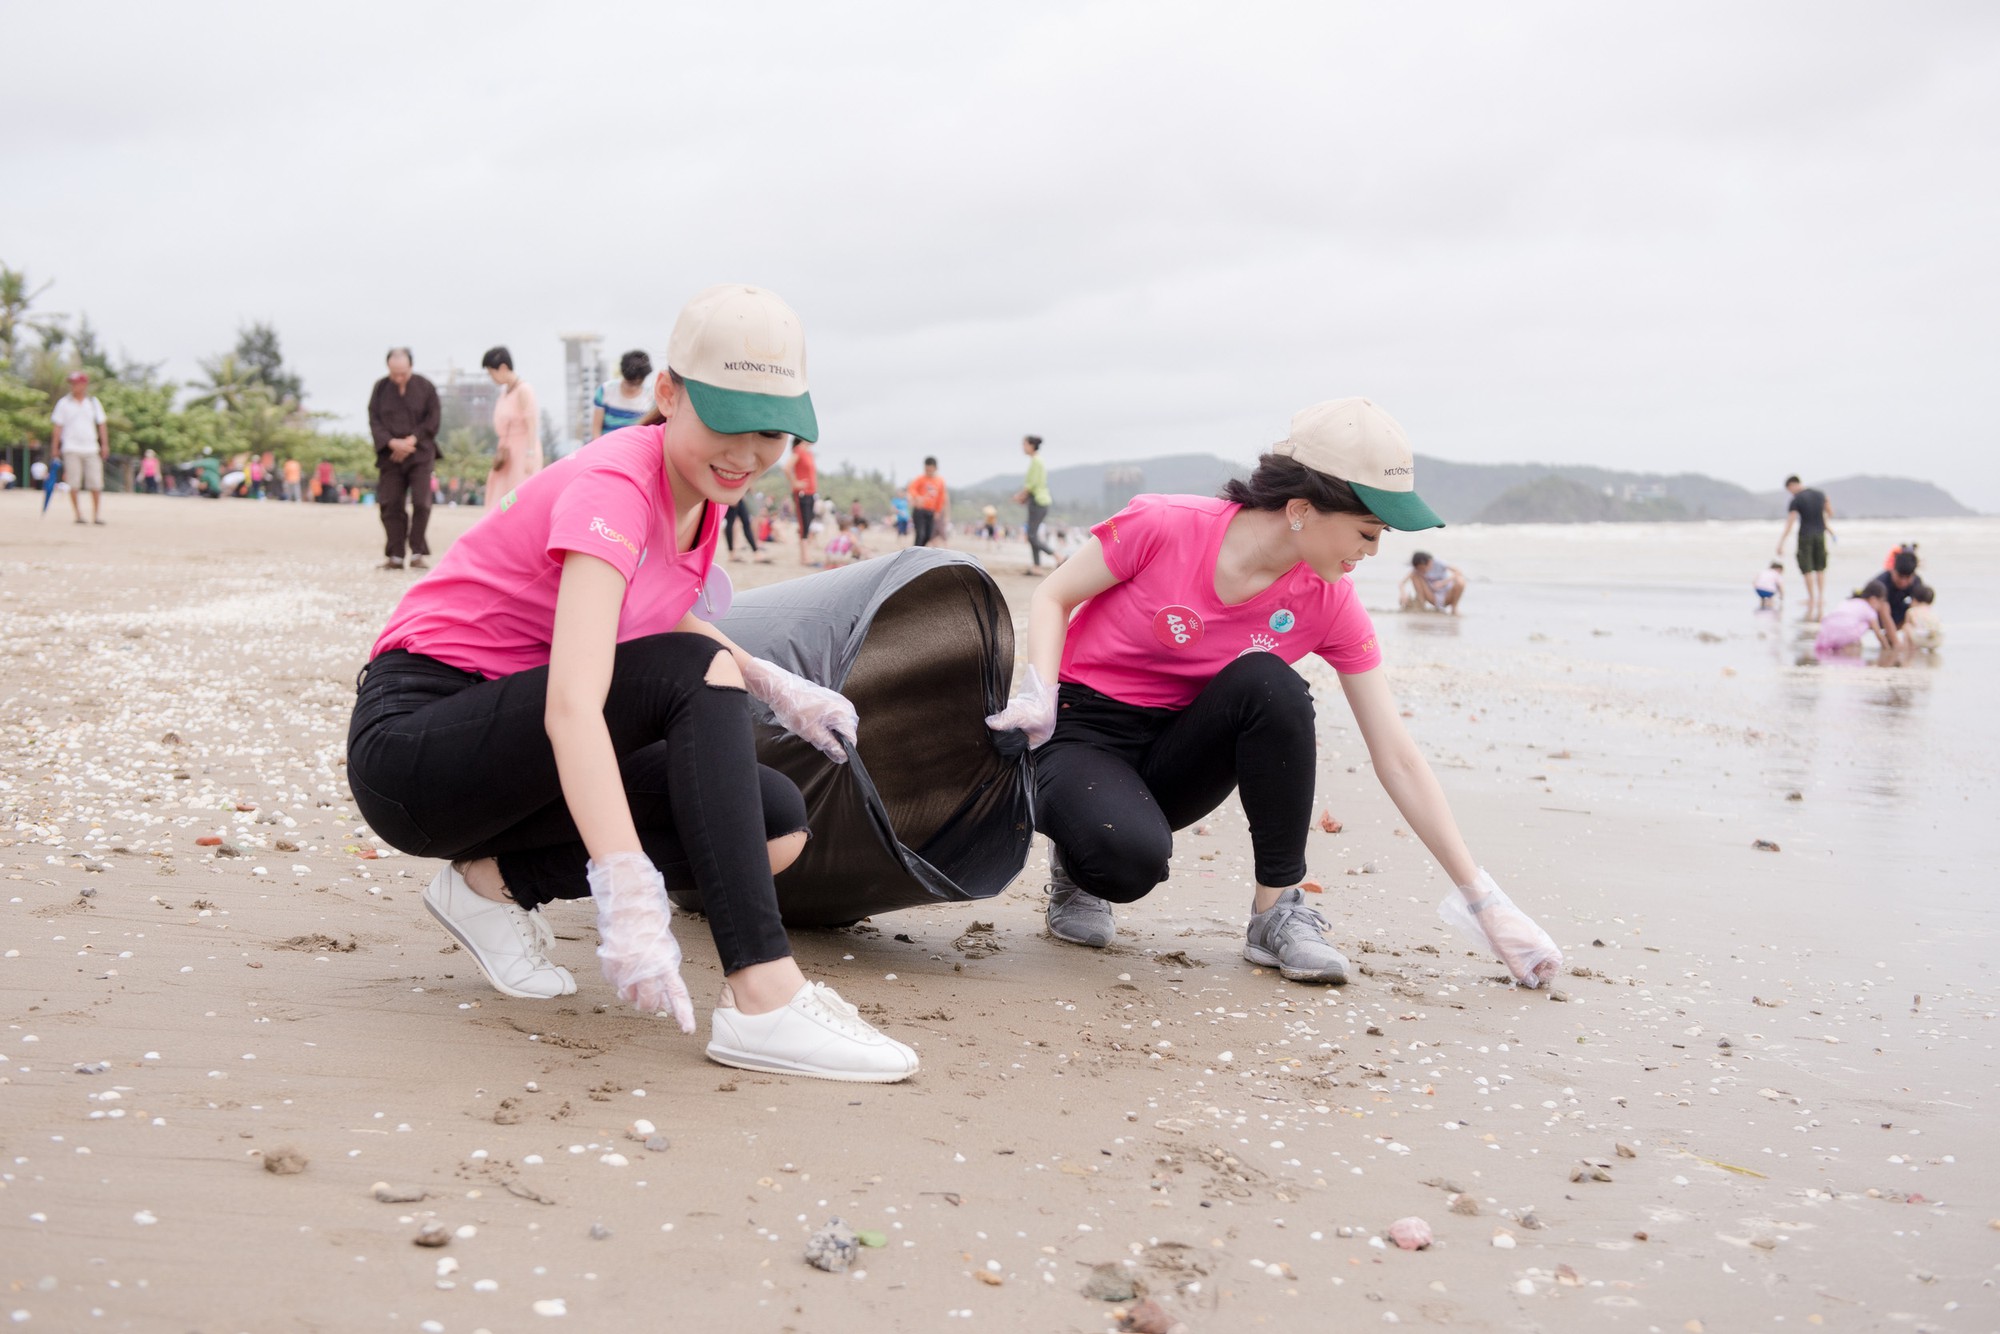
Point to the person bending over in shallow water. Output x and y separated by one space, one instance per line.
1159 681
545 712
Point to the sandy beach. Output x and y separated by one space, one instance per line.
1760 1097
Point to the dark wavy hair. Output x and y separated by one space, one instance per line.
1278 480
634 367
496 357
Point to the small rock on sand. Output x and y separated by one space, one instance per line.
1111 1283
388 1194
284 1161
832 1248
1147 1316
433 1233
1412 1234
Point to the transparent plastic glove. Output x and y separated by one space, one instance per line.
1488 919
1032 710
637 949
804 708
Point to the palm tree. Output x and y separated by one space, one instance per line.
15 299
229 382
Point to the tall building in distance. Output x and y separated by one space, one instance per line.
466 399
583 372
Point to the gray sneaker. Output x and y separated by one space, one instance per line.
1075 914
1287 937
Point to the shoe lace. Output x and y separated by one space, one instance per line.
837 1010
540 938
1300 916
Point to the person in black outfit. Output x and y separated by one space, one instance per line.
735 514
1810 509
1895 588
403 414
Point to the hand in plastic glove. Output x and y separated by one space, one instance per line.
803 708
637 948
1486 917
1032 710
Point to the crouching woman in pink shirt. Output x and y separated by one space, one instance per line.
545 712
1159 681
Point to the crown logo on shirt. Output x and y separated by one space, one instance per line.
1260 643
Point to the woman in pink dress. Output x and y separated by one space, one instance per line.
518 424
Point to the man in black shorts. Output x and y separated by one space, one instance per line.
1810 509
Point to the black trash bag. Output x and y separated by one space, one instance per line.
932 806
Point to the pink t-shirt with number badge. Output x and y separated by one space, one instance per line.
1160 634
490 605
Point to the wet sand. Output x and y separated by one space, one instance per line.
1794 1048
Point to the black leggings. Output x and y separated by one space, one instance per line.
923 524
447 764
735 514
1117 779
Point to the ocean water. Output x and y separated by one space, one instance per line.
1641 649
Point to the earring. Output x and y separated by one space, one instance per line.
1298 525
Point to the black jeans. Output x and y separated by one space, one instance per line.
395 482
735 514
1117 779
923 526
1036 514
447 764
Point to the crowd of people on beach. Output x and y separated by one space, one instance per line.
547 714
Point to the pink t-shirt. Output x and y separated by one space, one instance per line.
1161 634
490 605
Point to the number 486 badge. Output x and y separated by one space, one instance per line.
1177 627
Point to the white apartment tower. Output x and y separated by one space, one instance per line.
583 372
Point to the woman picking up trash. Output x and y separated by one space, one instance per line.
545 712
1170 687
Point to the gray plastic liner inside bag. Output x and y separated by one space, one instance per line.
932 806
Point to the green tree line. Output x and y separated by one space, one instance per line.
247 400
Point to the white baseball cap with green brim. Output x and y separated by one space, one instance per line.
1357 442
742 353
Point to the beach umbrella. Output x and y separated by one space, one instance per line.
932 806
49 482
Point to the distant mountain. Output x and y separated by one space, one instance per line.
1503 492
1562 500
1102 488
1880 498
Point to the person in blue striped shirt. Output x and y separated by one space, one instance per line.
622 402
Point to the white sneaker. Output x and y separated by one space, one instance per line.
510 944
818 1034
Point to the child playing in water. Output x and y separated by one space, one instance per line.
1431 584
1771 587
1921 628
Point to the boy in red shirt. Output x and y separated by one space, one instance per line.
927 504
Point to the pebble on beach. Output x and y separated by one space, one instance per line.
433 1233
284 1161
1412 1234
833 1248
1147 1316
1110 1283
388 1194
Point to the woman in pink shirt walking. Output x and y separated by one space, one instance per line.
546 712
517 422
1159 682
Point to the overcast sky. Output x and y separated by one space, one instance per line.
1736 239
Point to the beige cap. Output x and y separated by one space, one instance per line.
1357 442
742 352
